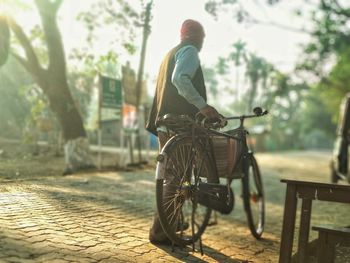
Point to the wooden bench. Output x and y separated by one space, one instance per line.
307 192
328 238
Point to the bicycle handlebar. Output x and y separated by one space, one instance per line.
222 122
247 116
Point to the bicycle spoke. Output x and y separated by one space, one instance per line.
169 203
176 208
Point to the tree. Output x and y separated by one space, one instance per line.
286 101
4 42
237 56
312 117
15 105
242 15
140 18
324 65
132 19
329 46
106 14
257 71
53 81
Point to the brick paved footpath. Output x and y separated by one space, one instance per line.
105 217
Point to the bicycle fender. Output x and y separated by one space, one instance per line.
162 158
161 164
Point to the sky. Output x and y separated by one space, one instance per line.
281 47
278 46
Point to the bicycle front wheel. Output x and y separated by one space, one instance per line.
253 198
183 219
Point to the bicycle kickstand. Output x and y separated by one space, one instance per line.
215 221
201 245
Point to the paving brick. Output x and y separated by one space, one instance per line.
107 220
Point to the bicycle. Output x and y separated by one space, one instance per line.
188 173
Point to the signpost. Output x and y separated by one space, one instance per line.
110 105
111 91
130 126
129 86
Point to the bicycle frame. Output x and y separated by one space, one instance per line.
240 134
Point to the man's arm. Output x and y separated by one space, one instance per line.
186 65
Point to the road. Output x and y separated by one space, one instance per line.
105 217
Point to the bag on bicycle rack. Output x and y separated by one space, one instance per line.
227 154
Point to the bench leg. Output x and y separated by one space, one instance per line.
326 248
288 225
304 229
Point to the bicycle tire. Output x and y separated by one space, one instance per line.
253 197
183 186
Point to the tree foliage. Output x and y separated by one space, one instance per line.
110 13
324 64
44 56
122 21
329 46
15 105
4 41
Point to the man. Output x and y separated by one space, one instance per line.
180 90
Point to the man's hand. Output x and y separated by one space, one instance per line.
210 113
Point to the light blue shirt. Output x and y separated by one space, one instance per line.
186 65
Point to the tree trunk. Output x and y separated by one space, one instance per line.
53 82
66 111
60 98
76 146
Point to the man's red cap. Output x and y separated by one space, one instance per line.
192 30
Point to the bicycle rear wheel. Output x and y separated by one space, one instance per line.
253 198
183 219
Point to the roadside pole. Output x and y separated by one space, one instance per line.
146 32
99 131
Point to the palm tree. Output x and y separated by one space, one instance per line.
258 71
237 55
254 65
4 41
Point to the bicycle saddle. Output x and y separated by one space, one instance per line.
175 122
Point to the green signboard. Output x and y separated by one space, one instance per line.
111 93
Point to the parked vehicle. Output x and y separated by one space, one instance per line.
341 159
